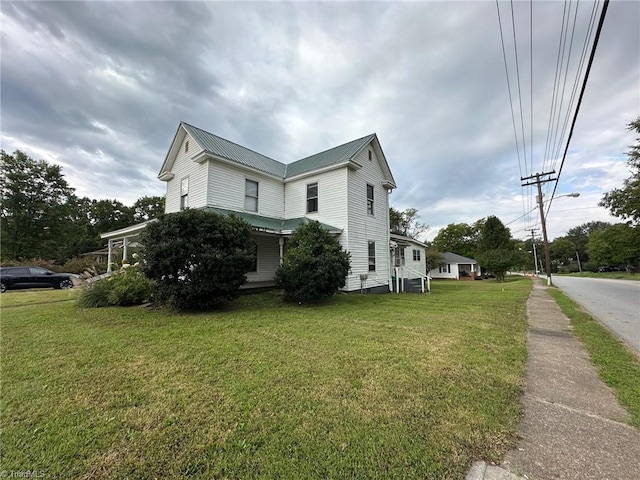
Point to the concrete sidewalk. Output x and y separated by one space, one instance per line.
573 425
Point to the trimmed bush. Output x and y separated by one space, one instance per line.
315 265
197 259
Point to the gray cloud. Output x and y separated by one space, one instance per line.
100 88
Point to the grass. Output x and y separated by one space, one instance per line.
611 275
373 386
617 365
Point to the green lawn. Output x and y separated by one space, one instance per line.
365 386
617 365
613 275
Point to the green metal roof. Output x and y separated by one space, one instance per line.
270 224
224 148
220 147
332 156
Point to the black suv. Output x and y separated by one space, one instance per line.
33 277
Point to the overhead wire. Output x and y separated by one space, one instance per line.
515 49
562 102
555 88
581 64
506 69
594 47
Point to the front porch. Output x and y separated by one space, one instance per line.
269 234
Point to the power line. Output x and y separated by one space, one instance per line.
515 49
584 85
506 69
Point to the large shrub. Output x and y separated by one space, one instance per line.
198 259
314 266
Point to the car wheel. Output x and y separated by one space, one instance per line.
3 287
65 284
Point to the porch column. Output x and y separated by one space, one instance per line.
125 244
281 244
109 255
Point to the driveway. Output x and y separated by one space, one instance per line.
616 303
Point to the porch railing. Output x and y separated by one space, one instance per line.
400 276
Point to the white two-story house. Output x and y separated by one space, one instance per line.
345 188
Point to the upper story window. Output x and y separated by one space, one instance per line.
312 197
369 199
250 195
372 256
184 193
416 255
370 156
186 146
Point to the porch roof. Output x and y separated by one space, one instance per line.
450 257
272 224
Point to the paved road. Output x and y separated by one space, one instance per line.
616 303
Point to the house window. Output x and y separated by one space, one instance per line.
446 269
312 198
251 195
372 256
186 146
400 260
369 199
416 255
184 193
369 154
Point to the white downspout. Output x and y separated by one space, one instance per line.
281 244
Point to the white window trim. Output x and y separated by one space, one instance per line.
317 198
373 200
257 197
369 257
184 205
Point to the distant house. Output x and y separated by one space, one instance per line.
345 188
456 267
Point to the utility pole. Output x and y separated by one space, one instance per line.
535 254
539 181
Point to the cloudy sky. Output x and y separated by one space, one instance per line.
100 88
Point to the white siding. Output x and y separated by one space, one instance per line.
332 198
419 266
185 167
363 227
268 258
226 189
435 273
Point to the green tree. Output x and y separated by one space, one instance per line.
147 208
616 245
35 214
625 202
496 250
315 265
197 259
580 237
406 223
459 238
561 251
434 259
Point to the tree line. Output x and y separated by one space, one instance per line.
41 217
